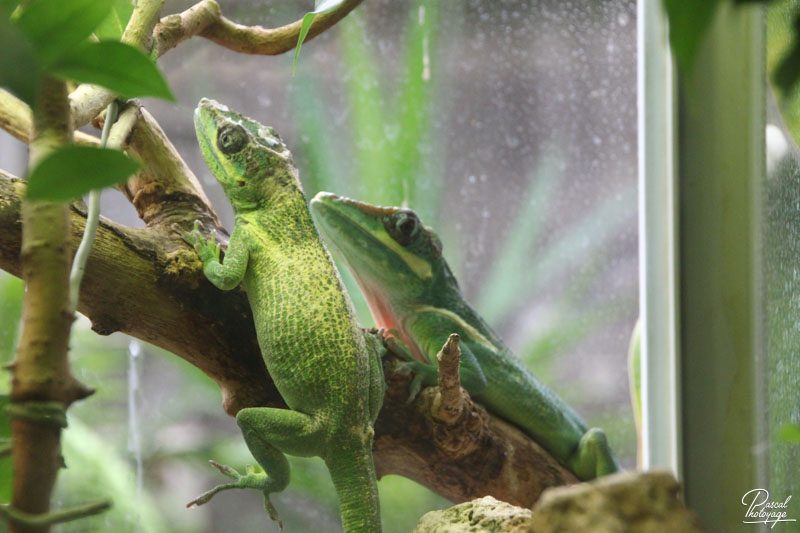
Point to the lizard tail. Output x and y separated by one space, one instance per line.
353 475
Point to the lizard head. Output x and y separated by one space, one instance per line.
249 160
393 256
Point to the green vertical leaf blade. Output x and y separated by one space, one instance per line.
688 23
56 27
75 170
116 66
413 112
321 7
114 24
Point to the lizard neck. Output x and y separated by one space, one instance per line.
283 218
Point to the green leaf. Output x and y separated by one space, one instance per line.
117 66
321 7
787 71
7 7
56 27
114 24
688 23
789 433
19 70
75 170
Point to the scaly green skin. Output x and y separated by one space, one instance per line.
399 266
325 367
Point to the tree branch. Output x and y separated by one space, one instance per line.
164 191
148 284
17 119
206 20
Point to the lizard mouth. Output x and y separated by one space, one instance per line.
384 317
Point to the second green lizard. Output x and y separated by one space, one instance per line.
409 287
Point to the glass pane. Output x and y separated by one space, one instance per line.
782 268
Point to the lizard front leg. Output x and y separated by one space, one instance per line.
226 274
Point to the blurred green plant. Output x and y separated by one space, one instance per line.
94 466
783 42
790 433
689 21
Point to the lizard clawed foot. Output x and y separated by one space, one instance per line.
391 340
406 368
206 249
253 478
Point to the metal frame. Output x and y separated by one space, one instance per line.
701 172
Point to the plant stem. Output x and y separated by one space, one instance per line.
41 371
82 255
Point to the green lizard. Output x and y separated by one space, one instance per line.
325 367
410 289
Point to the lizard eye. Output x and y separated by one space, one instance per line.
402 226
231 139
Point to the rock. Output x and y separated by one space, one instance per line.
484 515
628 502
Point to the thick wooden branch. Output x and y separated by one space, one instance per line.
165 191
474 455
148 284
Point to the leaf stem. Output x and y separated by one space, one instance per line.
82 255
